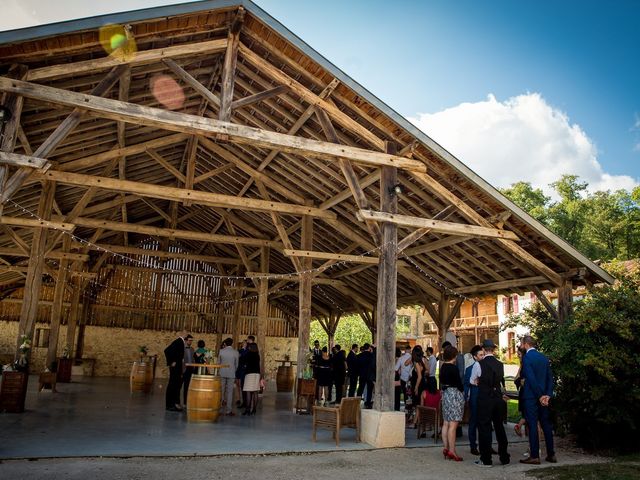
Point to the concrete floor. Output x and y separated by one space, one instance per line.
98 417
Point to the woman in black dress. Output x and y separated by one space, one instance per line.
418 377
325 375
251 379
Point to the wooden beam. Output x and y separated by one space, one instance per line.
565 301
35 223
263 306
264 178
310 97
93 160
511 247
229 67
545 302
504 285
56 308
173 233
55 254
10 129
60 133
305 297
170 168
173 193
33 282
17 160
387 304
331 256
164 254
433 246
187 78
437 225
421 232
370 179
213 173
259 97
349 175
193 124
140 58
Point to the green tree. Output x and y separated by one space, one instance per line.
595 356
351 329
531 200
567 217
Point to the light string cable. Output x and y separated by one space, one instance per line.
279 276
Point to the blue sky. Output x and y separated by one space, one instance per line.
562 78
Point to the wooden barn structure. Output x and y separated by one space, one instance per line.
159 168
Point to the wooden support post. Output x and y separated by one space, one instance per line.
304 299
387 293
33 282
565 301
74 313
263 306
443 315
56 308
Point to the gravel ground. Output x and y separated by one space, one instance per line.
400 463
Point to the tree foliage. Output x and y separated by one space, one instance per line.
603 225
595 357
351 329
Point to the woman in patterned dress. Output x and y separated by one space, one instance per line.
452 402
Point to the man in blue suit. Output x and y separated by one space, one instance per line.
537 391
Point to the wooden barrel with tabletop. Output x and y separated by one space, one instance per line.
204 398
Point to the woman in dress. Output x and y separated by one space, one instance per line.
251 379
452 402
418 377
325 375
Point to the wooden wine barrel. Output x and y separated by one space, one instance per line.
204 398
284 378
141 379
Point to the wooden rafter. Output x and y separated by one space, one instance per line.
181 122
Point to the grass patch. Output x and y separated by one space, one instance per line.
598 471
513 414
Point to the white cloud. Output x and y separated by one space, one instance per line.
521 139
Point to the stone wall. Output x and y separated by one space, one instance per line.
114 349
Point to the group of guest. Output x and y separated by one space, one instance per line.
481 387
241 372
335 368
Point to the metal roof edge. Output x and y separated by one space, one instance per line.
40 31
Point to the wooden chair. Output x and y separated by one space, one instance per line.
336 418
305 395
428 418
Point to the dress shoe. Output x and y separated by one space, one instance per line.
173 409
505 460
530 461
231 414
551 459
474 451
480 464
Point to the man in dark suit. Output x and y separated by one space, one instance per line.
174 354
352 366
488 373
537 391
339 365
366 373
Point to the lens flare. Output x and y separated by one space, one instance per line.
118 41
167 91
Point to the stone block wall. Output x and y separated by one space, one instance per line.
115 349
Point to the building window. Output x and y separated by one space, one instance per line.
403 325
511 340
516 309
474 309
41 338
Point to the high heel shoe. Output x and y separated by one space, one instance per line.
246 412
454 457
253 412
445 453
